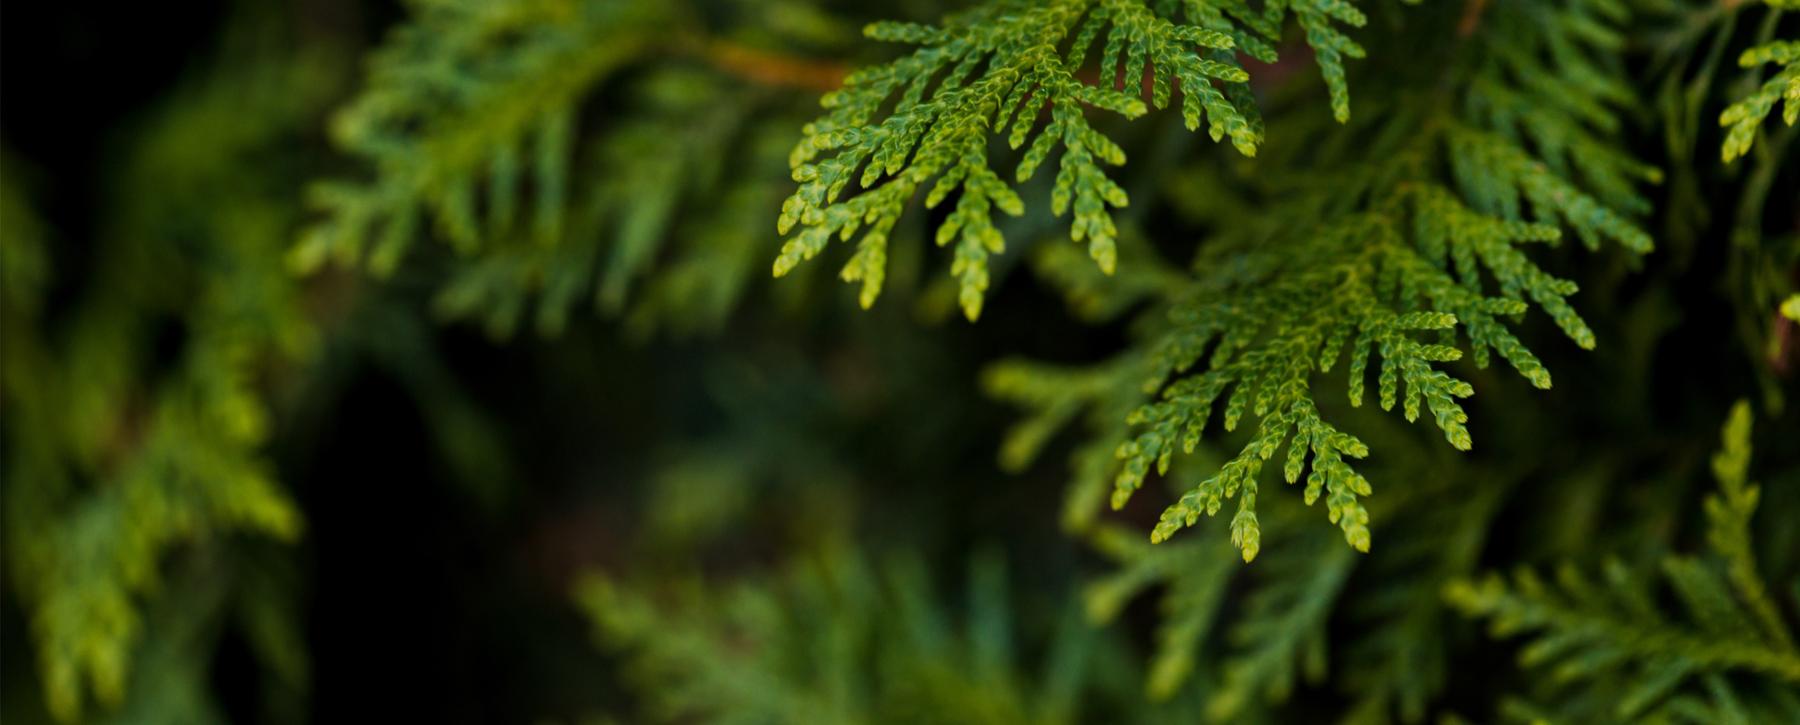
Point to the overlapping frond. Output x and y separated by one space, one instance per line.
1057 396
1283 640
464 107
994 72
1410 263
839 640
1274 640
1398 663
658 234
1195 579
477 121
1617 652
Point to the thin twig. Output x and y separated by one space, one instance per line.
1471 17
772 69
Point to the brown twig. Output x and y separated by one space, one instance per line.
772 69
1471 17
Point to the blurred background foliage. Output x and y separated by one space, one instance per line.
419 361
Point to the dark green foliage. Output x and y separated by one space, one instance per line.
838 640
471 96
1619 653
476 121
222 386
1692 48
1360 261
1276 637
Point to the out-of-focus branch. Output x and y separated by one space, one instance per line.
1471 17
769 68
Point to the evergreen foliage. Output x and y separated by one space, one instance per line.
476 120
1617 653
1396 662
1361 261
1691 48
241 457
117 456
926 117
839 640
1743 118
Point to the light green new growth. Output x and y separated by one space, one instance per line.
1412 261
993 72
1743 119
1611 635
1362 286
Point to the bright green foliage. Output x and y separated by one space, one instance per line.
1388 261
118 458
1743 119
1228 311
835 639
1615 650
1370 287
993 72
